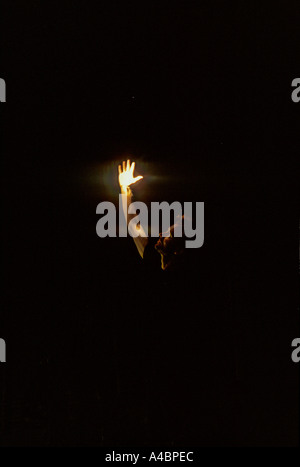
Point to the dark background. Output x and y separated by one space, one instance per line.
199 95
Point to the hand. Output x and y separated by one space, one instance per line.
126 177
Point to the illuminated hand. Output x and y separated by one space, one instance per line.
126 177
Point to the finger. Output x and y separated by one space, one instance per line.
120 169
128 164
132 167
124 167
136 179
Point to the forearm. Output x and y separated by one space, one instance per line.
126 201
141 243
141 240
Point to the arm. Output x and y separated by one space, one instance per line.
126 179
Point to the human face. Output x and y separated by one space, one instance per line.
164 242
164 248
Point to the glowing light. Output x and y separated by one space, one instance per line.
126 178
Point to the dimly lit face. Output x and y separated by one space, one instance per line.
165 246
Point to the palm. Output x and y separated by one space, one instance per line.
126 177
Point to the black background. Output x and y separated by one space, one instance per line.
199 95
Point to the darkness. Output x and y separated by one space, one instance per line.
199 96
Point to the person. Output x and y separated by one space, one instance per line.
169 247
179 334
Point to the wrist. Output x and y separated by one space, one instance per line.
126 190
